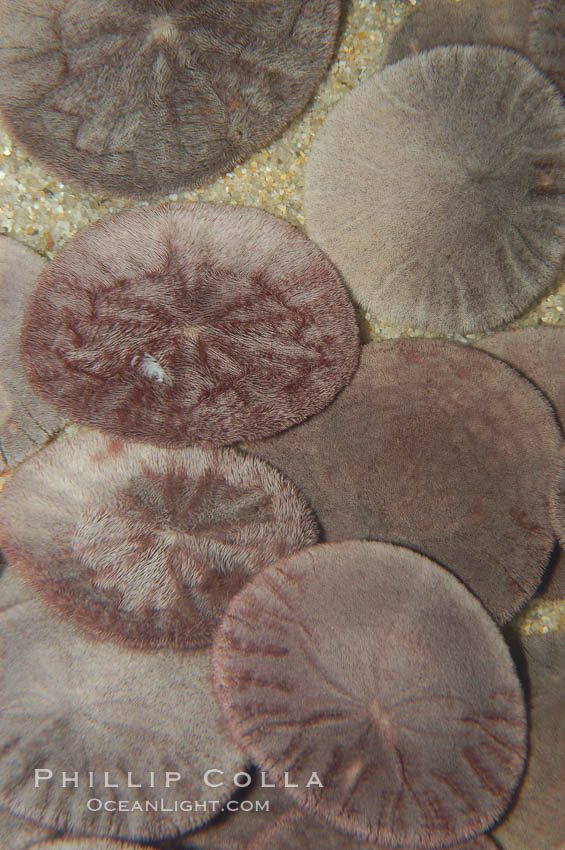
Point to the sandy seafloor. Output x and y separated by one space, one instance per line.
41 212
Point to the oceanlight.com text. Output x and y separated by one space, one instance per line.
95 804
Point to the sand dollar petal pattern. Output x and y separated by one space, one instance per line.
144 545
381 687
134 97
190 323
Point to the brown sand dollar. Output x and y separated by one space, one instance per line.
190 323
436 187
19 834
237 829
558 498
139 96
442 448
439 22
146 545
370 679
26 422
113 716
13 590
545 39
537 818
539 354
297 831
69 843
553 586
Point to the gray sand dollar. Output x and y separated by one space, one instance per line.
114 717
436 188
